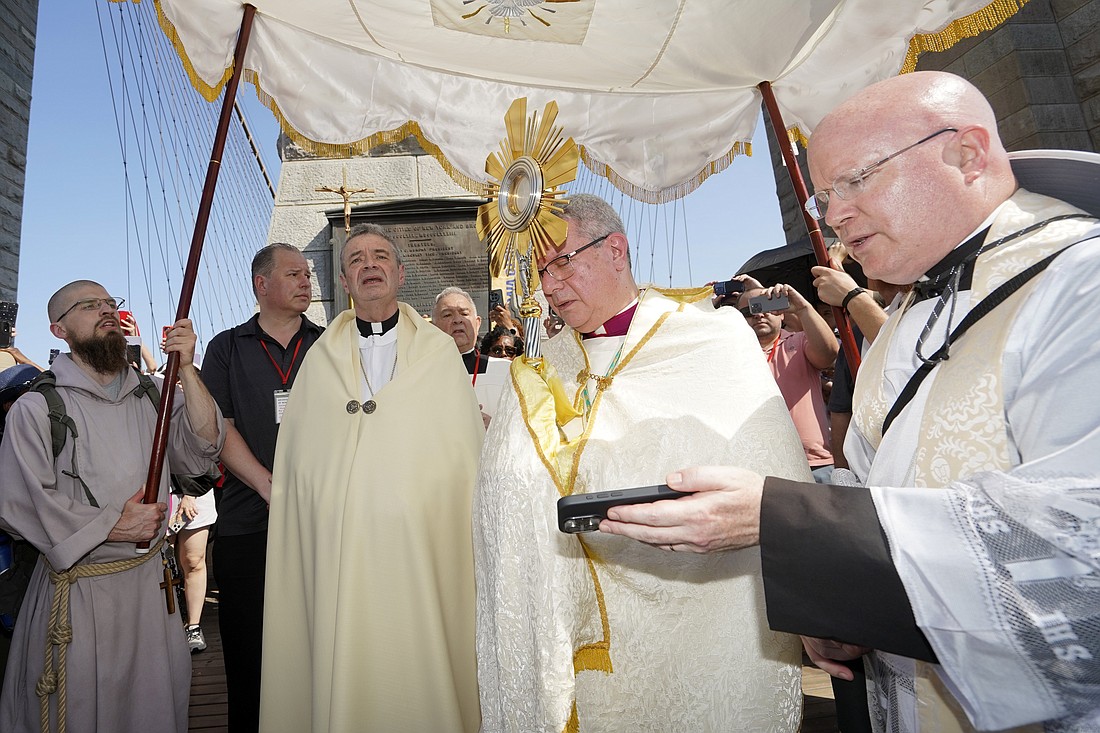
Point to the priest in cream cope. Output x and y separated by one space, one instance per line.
370 619
591 632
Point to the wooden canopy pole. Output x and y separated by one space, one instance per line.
847 338
190 273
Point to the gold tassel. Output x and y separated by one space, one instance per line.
573 725
209 93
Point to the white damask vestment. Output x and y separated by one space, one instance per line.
596 632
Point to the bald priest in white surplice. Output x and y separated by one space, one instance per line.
589 632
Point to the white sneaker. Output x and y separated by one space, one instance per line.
196 642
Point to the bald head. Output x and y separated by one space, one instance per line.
67 295
933 191
911 104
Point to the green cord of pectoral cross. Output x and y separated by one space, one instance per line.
603 382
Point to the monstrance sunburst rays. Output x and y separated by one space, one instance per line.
521 219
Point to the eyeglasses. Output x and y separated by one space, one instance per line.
561 268
504 351
91 305
849 185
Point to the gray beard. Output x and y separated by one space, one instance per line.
105 354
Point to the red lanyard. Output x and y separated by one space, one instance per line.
284 377
477 362
771 351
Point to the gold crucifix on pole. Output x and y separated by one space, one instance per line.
345 193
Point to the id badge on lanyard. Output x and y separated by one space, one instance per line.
281 398
282 395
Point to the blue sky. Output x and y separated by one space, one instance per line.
75 215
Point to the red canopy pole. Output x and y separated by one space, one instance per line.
160 437
847 338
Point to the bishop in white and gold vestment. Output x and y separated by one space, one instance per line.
598 633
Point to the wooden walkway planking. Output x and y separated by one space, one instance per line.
208 713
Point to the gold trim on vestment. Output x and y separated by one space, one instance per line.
535 399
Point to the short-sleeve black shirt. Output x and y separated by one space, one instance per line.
242 378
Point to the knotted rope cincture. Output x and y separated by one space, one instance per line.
59 631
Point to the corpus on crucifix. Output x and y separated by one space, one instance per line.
345 193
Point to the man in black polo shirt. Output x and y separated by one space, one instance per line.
249 370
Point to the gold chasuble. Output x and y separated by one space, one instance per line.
597 632
369 606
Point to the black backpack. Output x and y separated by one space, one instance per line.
61 425
16 577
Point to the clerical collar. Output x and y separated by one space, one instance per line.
375 328
934 282
617 325
963 256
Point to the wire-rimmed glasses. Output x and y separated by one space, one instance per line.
849 185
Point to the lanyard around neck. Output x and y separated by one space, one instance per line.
284 377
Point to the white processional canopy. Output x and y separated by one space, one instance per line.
658 94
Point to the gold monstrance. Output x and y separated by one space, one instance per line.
522 218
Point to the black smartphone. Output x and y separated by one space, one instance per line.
583 512
763 304
729 287
496 297
133 354
54 354
8 311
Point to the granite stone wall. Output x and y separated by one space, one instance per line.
395 172
18 21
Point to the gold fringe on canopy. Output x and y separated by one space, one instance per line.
324 150
359 147
209 93
979 21
969 26
672 193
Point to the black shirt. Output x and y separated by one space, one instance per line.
474 357
242 377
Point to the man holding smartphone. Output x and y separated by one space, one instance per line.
796 359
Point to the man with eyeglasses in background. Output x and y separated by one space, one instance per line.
592 632
982 597
95 644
